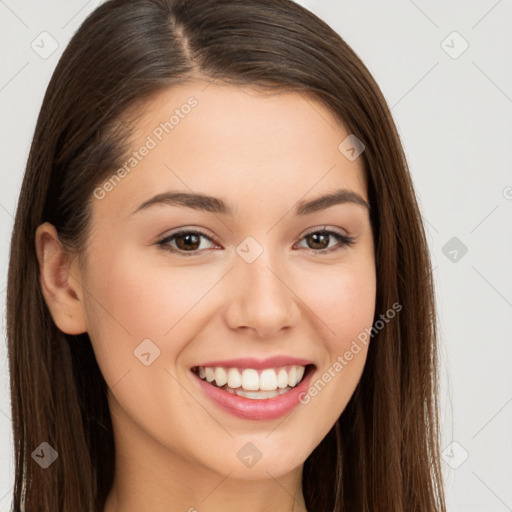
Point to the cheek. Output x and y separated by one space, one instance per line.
344 302
133 309
131 299
139 298
127 302
343 299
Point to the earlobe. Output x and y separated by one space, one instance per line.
59 277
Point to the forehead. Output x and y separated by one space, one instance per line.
236 143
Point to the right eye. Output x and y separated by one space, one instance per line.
186 240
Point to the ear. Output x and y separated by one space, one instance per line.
60 281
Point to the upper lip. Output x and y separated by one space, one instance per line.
251 362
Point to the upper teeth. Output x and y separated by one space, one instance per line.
250 379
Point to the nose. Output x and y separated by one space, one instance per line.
261 298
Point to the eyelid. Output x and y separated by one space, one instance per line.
326 228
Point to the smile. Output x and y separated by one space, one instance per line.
256 384
263 390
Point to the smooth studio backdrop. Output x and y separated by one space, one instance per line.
445 69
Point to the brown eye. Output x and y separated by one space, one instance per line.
319 241
185 241
189 241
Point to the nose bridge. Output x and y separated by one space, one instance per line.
261 299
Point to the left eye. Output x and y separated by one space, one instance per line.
319 238
189 241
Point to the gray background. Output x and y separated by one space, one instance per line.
453 109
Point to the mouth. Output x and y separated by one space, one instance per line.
254 383
255 392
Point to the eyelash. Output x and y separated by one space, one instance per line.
343 241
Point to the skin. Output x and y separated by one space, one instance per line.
261 153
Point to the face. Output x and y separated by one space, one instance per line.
249 280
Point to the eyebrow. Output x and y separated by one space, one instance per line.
216 205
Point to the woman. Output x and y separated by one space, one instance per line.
219 292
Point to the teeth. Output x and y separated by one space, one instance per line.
268 380
300 373
292 376
250 380
282 378
210 374
220 377
234 378
266 383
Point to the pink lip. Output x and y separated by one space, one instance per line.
251 362
247 408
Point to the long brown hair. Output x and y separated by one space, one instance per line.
383 452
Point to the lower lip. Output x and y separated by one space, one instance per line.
252 409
